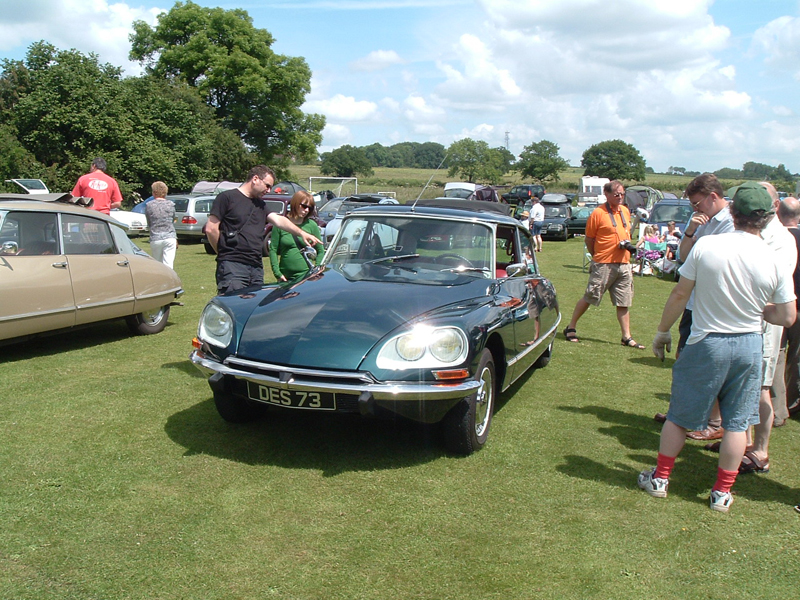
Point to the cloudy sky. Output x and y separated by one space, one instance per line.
690 83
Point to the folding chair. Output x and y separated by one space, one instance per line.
650 257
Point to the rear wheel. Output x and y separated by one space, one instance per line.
148 322
466 426
235 409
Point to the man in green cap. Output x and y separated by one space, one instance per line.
737 283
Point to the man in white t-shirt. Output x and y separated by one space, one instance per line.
738 283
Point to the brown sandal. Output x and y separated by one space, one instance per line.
632 343
751 464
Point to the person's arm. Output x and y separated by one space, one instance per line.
688 238
212 231
285 224
116 196
589 245
676 303
782 315
319 247
274 261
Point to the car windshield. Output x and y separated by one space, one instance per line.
555 211
663 213
582 212
421 250
457 193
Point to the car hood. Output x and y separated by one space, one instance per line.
331 322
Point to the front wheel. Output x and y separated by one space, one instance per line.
466 426
148 322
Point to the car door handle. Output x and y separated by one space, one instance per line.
60 265
123 263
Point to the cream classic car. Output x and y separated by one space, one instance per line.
63 265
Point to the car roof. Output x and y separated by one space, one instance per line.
555 199
48 203
454 208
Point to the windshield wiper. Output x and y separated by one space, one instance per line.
375 261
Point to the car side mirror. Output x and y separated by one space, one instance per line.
517 270
10 248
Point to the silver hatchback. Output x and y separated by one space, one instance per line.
191 214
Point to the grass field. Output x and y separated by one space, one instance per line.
120 481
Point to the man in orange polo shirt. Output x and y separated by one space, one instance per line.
98 186
608 231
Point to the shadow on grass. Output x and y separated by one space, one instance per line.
332 443
186 366
695 470
76 338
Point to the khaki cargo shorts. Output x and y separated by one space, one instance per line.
616 278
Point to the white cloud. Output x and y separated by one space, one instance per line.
334 135
779 41
377 60
96 26
343 108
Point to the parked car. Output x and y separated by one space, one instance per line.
191 215
670 209
387 327
347 206
65 265
577 222
521 193
557 212
328 211
135 223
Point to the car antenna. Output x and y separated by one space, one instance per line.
429 182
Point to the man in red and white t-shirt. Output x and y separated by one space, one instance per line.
100 187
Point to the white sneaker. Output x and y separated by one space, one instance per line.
655 486
720 501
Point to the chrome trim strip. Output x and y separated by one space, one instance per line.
380 391
42 313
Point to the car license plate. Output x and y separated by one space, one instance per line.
291 398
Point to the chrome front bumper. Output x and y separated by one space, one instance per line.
424 401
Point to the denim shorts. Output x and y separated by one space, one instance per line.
536 227
724 366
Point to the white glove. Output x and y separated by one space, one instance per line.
662 340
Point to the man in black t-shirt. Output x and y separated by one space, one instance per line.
236 227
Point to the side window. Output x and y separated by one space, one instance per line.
203 206
29 234
84 235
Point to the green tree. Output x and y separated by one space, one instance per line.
346 161
541 161
256 92
474 160
760 171
614 159
428 155
73 108
377 154
728 173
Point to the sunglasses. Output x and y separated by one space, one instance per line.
307 206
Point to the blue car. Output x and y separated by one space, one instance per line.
390 323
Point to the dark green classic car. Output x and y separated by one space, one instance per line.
390 323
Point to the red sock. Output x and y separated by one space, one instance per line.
725 480
664 466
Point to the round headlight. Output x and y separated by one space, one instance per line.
216 326
447 346
411 346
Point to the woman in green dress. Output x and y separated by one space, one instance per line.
284 248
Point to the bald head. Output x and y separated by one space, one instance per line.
789 211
